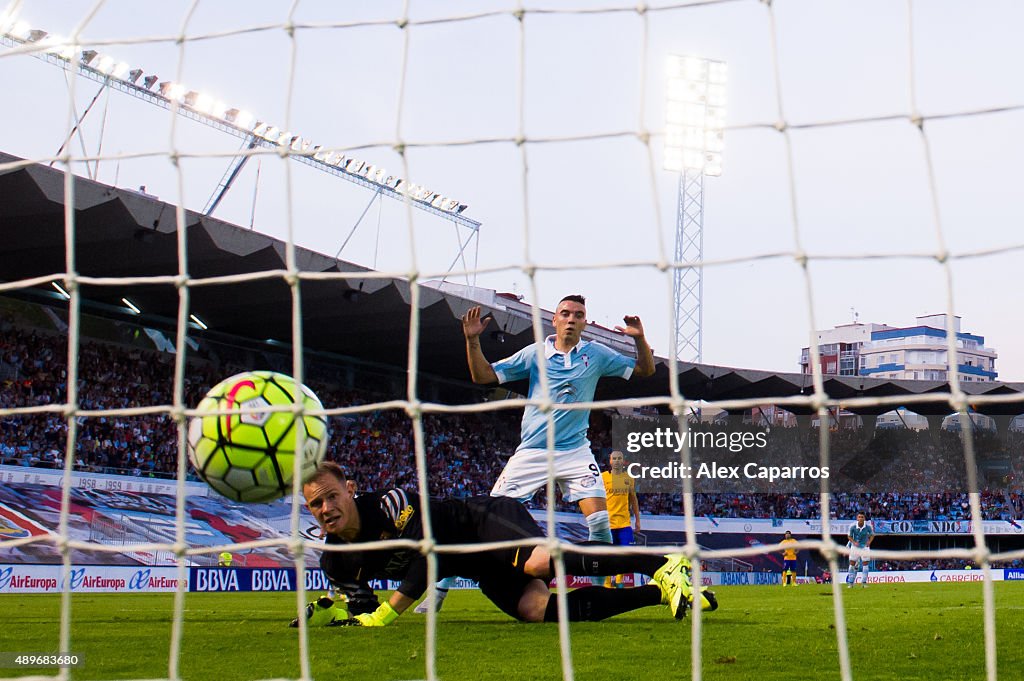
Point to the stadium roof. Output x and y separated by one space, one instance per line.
124 233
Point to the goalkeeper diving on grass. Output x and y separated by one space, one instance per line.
515 579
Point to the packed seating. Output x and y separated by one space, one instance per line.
465 452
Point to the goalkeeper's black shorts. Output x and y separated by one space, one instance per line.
500 571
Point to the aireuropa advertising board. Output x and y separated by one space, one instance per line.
128 579
87 579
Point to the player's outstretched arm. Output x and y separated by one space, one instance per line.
644 356
480 369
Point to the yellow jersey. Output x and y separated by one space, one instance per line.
788 552
618 487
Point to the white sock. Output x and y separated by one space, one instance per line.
600 527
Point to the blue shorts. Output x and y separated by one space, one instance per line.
622 536
789 565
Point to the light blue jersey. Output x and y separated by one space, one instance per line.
572 377
859 536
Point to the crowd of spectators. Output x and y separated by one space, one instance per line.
465 452
925 564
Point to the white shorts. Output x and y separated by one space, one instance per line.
576 473
858 554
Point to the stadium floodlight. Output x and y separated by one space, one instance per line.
198 106
198 322
172 90
131 306
7 20
243 119
58 46
20 30
106 64
694 114
60 289
203 103
695 99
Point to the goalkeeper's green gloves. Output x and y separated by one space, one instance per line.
381 617
323 612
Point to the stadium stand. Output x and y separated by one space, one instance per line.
466 451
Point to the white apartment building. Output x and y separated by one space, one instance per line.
839 348
920 352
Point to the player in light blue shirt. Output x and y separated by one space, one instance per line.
574 367
860 534
572 377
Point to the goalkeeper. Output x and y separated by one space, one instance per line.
515 579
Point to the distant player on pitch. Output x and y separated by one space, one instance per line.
861 535
620 489
574 366
788 559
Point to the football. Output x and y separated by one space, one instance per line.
247 454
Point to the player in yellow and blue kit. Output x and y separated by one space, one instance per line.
620 489
788 559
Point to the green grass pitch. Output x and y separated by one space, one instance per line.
907 631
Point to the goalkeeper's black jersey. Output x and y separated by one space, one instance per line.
395 514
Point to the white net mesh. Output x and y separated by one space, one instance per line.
846 156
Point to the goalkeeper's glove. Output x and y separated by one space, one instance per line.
322 612
381 617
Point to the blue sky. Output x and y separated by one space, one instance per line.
860 188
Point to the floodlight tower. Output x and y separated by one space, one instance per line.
197 106
694 124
